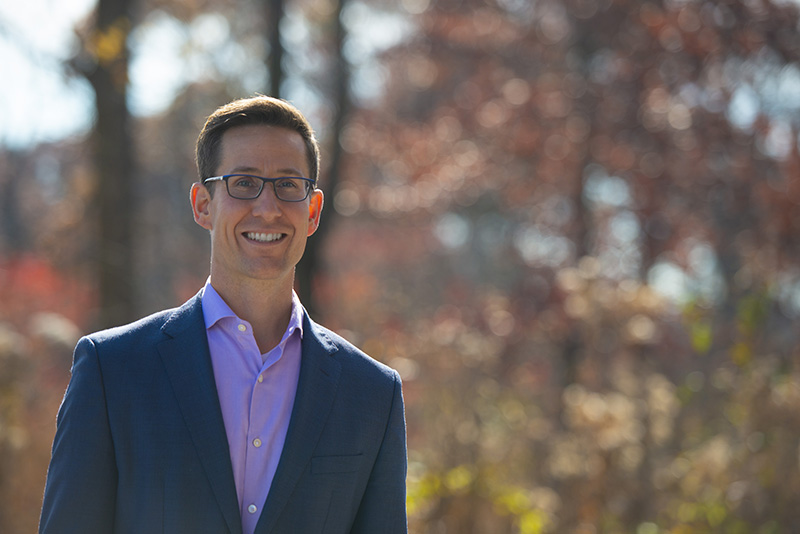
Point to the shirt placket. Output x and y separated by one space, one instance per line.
257 429
254 429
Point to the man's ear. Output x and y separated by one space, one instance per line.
315 210
201 200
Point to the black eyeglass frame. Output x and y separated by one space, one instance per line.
312 184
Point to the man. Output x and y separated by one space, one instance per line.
234 413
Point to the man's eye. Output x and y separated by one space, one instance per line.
244 182
288 184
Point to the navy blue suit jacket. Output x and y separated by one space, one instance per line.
140 445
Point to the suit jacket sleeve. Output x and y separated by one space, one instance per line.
383 506
80 493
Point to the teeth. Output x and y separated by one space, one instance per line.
258 236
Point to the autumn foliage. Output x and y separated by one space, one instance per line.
572 226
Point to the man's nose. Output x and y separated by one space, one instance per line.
266 203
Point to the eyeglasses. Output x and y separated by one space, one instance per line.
249 187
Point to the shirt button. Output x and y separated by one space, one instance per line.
260 378
252 508
242 328
257 442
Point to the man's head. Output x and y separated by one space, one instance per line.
256 235
258 110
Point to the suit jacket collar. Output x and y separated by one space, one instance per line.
316 388
187 360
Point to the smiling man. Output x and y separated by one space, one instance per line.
235 412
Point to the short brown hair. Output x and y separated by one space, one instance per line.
259 109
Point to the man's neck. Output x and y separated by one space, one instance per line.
267 306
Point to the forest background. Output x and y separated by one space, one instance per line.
572 226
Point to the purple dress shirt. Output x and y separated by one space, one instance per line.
256 393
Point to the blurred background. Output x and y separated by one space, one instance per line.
572 226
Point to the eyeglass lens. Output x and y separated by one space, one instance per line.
249 187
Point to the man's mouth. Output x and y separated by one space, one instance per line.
262 237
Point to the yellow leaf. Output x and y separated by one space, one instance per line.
458 478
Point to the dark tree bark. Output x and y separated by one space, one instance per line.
310 265
275 11
12 226
106 68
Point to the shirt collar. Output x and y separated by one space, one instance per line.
215 309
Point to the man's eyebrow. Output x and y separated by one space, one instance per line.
243 169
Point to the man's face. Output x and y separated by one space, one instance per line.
263 238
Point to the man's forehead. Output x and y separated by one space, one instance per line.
245 131
247 148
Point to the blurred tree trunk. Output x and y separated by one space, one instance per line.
14 229
106 68
581 229
309 266
275 12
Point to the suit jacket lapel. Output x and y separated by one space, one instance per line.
316 387
187 361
